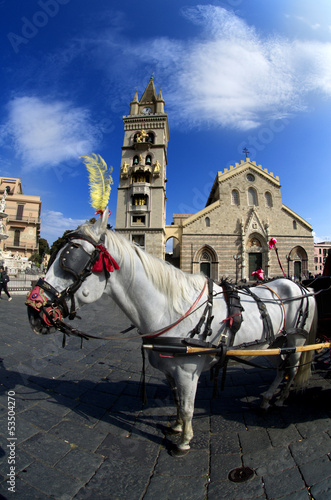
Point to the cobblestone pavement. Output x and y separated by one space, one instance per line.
82 432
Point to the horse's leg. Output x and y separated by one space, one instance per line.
177 427
291 366
290 373
286 368
186 386
272 389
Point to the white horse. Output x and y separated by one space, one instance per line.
164 303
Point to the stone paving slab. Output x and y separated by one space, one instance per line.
83 434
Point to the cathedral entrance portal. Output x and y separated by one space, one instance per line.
299 257
206 262
254 262
297 269
205 268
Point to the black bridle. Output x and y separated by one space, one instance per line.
75 260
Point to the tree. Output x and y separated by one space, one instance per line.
60 242
43 247
35 258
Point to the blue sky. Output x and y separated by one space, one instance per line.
234 74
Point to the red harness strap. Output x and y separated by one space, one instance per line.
160 332
230 318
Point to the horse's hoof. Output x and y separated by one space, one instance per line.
265 405
279 403
169 431
178 452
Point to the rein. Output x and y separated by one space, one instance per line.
69 330
81 264
191 309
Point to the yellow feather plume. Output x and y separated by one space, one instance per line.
100 180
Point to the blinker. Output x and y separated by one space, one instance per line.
75 260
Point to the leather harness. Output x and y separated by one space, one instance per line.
80 264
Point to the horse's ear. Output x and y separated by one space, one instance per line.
100 226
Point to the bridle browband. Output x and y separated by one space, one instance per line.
75 260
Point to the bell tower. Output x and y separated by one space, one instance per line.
141 199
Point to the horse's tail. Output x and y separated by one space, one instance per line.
304 370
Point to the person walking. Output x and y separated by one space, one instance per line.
4 278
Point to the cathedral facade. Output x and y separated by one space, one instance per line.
230 236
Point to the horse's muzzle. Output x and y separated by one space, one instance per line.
42 315
37 323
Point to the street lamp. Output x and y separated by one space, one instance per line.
288 258
236 258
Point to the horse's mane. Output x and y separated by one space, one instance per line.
171 281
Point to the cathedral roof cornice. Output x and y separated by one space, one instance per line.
205 211
244 165
297 217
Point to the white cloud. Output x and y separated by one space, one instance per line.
318 239
46 133
239 79
232 76
305 21
54 224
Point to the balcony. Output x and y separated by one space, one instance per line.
19 246
142 188
21 218
139 208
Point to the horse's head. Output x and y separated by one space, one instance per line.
78 274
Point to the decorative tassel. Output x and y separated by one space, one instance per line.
272 244
100 180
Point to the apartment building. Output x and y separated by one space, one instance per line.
22 223
320 254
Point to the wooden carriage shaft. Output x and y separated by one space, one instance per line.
234 352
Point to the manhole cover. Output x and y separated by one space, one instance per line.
240 474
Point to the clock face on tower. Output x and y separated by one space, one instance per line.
147 111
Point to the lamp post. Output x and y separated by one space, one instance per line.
236 258
288 258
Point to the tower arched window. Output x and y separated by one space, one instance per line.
150 138
139 200
268 199
140 176
252 197
235 197
207 222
